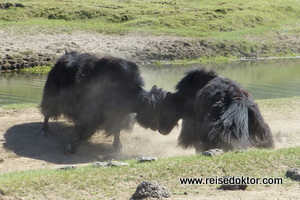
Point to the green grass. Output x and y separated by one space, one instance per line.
96 183
285 106
37 70
202 60
230 28
233 20
19 106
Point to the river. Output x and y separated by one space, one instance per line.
263 79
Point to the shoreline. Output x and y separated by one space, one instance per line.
23 50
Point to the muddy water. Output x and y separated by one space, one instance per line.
263 79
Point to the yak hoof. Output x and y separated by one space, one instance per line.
199 150
44 133
69 149
118 148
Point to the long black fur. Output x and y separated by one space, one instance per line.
98 93
216 112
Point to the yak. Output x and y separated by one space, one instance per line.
216 112
98 94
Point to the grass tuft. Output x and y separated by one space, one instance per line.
37 70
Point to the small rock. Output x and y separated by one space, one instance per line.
110 164
280 136
117 164
146 159
150 189
213 152
67 167
230 185
233 187
100 164
294 174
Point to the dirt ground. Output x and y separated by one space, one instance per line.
142 48
23 148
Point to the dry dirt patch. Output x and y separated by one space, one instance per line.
23 148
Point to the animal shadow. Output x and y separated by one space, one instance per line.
25 140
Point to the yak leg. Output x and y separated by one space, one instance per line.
117 142
198 150
84 133
45 128
86 125
114 128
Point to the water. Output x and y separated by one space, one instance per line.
263 79
21 88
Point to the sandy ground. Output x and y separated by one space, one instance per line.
23 148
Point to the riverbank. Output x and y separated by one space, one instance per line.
27 50
36 33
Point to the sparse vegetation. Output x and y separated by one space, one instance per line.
96 183
37 69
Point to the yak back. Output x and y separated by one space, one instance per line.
188 87
77 80
194 81
117 70
81 68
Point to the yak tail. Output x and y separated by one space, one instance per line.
233 126
50 97
259 130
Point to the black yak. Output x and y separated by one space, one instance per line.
216 112
98 94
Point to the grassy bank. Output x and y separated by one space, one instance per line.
97 183
233 20
207 30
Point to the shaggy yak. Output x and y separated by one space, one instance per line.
216 112
98 94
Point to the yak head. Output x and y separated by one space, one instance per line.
147 114
170 111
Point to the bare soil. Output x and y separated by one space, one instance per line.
142 48
24 148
